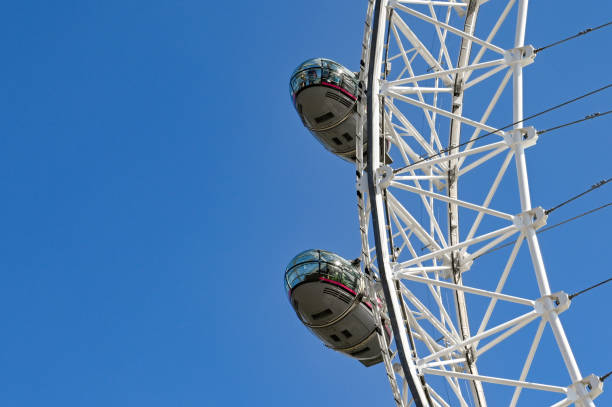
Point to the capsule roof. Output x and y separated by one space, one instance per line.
316 70
324 264
320 63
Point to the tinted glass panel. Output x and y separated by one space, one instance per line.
325 74
309 255
314 76
299 273
335 79
311 63
295 84
329 257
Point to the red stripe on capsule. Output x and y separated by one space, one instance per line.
338 284
339 88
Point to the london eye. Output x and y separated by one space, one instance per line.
450 274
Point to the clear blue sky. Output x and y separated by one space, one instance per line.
156 181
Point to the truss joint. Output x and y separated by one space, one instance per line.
523 137
461 263
452 175
534 218
586 389
470 356
384 176
557 302
521 56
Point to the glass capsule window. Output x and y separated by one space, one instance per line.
299 273
294 84
335 79
320 263
311 63
309 255
348 83
317 70
325 72
313 76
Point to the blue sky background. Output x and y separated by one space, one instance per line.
156 181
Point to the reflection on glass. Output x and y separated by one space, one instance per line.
299 273
325 74
348 83
335 79
308 255
294 84
314 76
328 257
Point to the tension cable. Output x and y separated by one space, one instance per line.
604 377
590 288
589 117
592 188
583 32
567 102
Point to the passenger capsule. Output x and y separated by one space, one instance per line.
328 295
324 93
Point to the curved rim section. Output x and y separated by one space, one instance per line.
373 123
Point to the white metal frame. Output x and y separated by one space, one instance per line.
419 266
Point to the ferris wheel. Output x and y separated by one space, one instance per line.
425 62
453 277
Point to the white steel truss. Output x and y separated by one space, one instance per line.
432 211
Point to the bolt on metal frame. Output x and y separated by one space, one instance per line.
421 268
